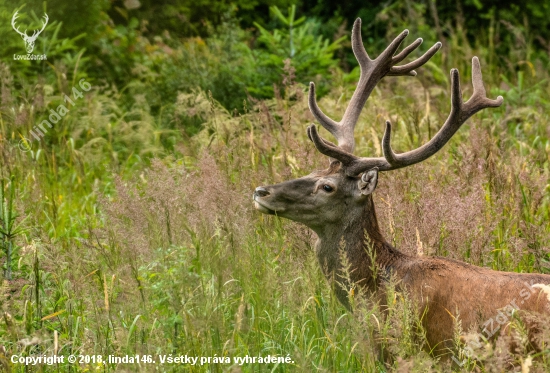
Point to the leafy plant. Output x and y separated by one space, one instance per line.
311 55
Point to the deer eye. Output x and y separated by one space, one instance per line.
327 188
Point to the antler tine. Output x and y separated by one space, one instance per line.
357 45
460 112
387 54
359 48
386 146
13 18
479 98
329 124
406 51
329 149
44 24
348 160
408 69
372 71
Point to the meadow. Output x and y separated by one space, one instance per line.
129 227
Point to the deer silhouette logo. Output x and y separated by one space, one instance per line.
29 40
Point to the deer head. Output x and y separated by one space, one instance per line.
29 40
333 200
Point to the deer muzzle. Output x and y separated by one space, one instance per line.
260 192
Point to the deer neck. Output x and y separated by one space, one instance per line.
355 238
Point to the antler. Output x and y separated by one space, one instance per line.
460 112
36 32
372 71
13 25
24 34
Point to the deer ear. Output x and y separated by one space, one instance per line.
368 181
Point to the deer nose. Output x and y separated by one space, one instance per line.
261 192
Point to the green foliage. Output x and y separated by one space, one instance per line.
310 55
491 24
191 18
222 64
77 17
66 53
120 48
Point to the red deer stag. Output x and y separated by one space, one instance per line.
337 204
